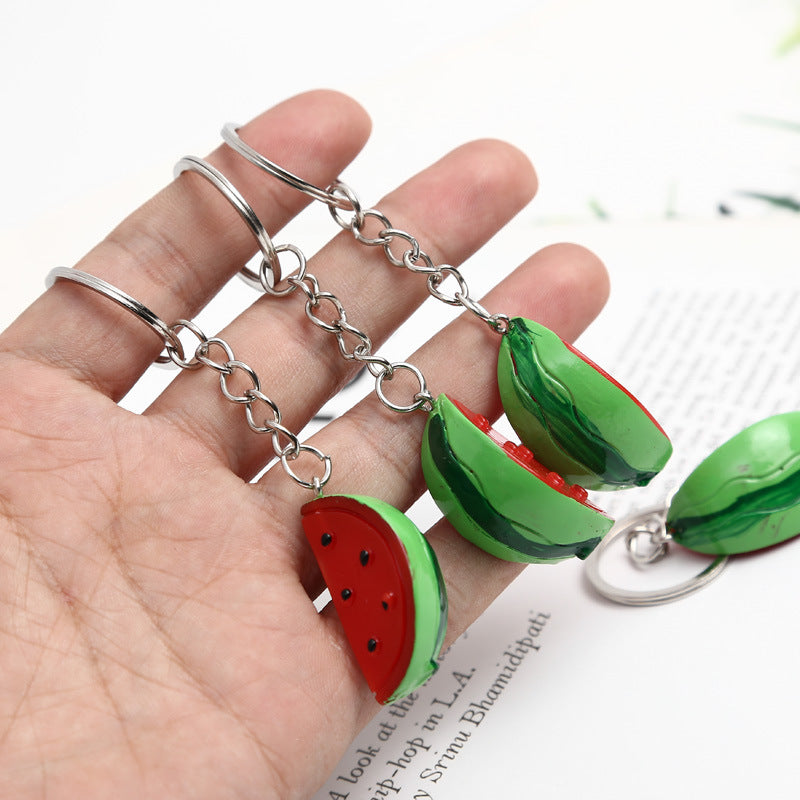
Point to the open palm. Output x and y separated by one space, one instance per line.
157 635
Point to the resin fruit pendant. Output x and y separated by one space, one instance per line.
577 419
745 495
496 495
386 586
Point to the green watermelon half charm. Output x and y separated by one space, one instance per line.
577 419
385 583
745 495
496 495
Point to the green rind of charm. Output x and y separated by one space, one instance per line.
746 495
430 596
496 503
576 418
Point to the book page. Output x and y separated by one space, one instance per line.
556 692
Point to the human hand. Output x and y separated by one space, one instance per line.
158 637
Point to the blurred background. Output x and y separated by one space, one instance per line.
631 111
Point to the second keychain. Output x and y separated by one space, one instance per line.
495 493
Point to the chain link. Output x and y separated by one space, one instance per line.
364 347
315 484
437 279
377 365
234 365
269 275
201 354
178 356
329 327
256 395
410 255
374 241
427 267
423 399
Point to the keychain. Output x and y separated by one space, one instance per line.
579 428
495 493
743 497
578 420
383 576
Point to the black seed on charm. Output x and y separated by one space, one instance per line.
326 539
371 645
385 605
363 557
346 594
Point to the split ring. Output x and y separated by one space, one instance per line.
235 198
655 597
153 321
230 134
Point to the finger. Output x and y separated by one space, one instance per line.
567 304
453 207
377 453
177 250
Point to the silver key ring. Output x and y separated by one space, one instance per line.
235 198
142 312
230 134
628 528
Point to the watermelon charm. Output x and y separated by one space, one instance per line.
577 419
496 495
385 583
746 495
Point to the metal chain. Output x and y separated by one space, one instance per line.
353 343
342 200
255 402
359 347
339 196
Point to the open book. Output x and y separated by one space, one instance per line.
557 693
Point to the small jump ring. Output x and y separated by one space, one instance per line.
235 198
230 134
499 323
124 300
658 543
267 280
316 484
422 397
656 597
342 190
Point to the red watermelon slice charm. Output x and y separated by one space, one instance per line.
499 497
386 586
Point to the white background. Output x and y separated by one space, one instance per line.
641 108
647 111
